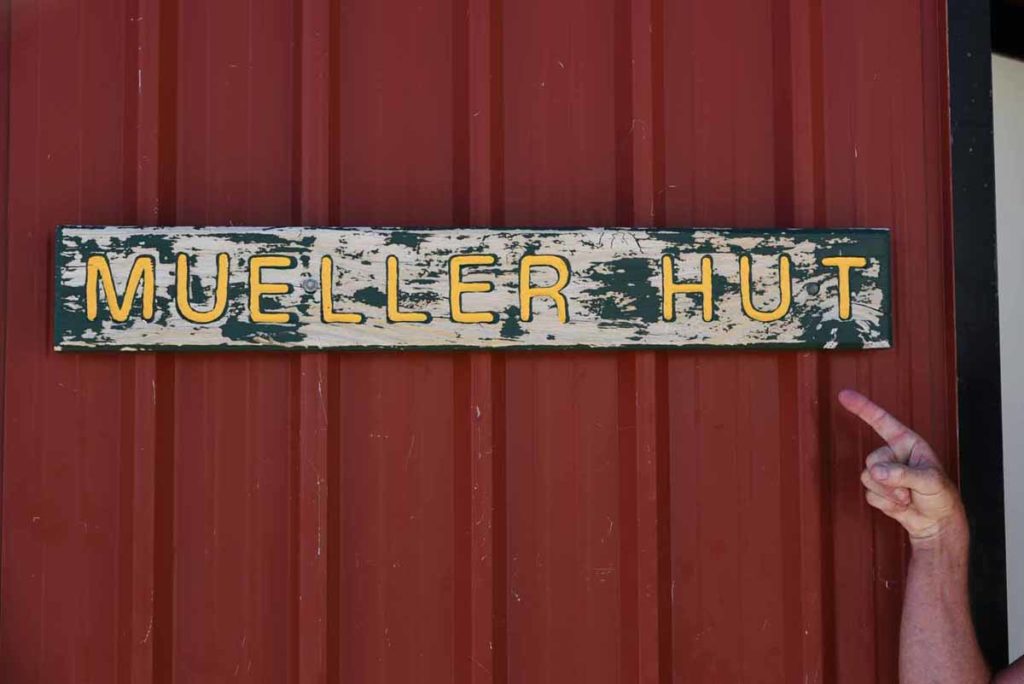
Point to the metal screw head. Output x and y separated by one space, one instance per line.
309 285
813 288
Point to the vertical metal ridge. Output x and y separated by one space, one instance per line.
298 170
823 651
819 651
464 604
784 139
625 145
658 139
5 169
499 525
335 531
487 207
663 494
310 372
125 528
462 371
6 51
461 151
164 534
496 100
334 184
140 393
166 13
136 523
642 510
629 519
680 439
662 405
625 130
462 496
167 173
494 95
476 149
484 556
335 417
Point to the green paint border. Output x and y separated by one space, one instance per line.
58 267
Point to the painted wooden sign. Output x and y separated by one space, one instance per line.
136 288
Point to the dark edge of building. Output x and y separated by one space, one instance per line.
977 317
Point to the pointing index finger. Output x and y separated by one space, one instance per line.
896 434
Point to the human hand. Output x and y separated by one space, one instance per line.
904 479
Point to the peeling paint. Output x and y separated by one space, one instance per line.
614 295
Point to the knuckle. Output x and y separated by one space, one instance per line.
879 502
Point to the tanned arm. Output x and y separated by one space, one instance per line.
905 480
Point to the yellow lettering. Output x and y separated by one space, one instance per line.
394 315
258 288
528 292
457 287
327 312
220 299
670 288
97 270
844 264
785 291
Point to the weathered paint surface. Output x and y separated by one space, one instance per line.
614 294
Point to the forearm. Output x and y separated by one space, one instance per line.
937 642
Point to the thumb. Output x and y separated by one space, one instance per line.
920 480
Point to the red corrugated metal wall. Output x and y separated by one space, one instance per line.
462 517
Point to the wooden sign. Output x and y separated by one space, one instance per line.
135 288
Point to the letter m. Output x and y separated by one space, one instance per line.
97 271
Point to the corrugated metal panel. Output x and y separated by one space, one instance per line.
371 517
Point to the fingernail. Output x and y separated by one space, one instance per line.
880 472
